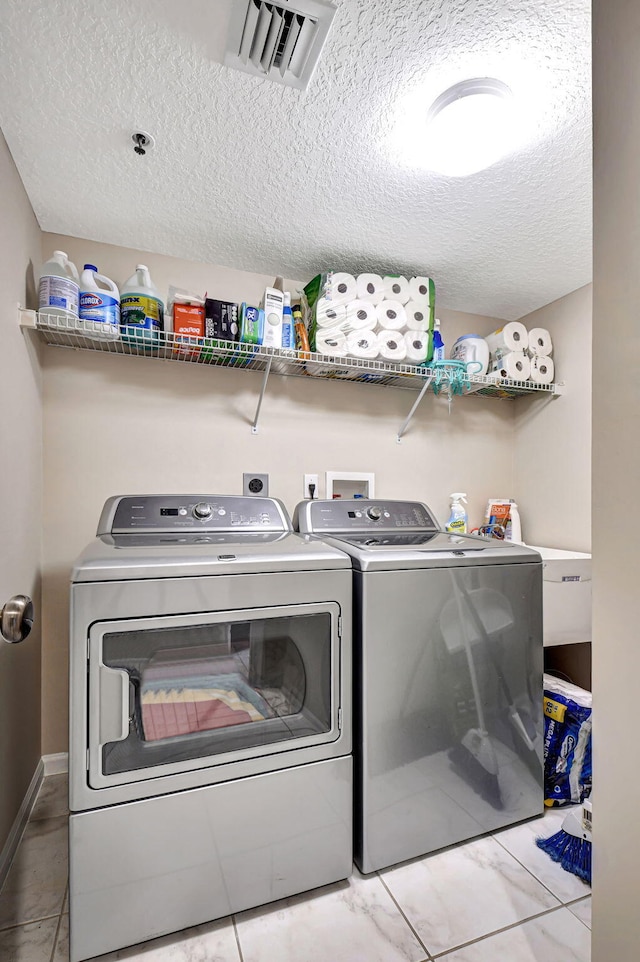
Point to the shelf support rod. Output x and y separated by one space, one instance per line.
407 421
267 371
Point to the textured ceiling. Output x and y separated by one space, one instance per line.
254 175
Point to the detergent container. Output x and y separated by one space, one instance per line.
458 517
99 305
141 308
472 347
58 288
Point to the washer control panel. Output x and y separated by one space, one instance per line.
191 513
316 517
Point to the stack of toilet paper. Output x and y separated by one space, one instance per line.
521 355
372 317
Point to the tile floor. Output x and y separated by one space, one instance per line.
496 899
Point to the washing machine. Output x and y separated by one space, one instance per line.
448 666
210 735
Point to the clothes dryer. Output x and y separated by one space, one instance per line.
448 666
210 738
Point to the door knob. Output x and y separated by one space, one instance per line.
16 619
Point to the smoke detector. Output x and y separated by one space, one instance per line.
278 41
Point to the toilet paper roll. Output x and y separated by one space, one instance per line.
417 345
370 287
361 315
515 365
540 342
542 369
330 315
396 288
341 288
391 316
391 346
331 342
512 337
421 289
363 344
417 316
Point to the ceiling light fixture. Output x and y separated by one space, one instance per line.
470 126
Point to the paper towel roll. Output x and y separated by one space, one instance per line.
391 346
417 316
363 344
515 365
361 315
417 345
420 289
330 315
396 288
540 342
341 288
331 342
370 287
512 337
542 369
391 316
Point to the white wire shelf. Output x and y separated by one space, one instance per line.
66 333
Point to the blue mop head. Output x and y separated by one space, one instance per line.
571 852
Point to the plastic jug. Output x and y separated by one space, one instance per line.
141 308
472 347
99 305
58 288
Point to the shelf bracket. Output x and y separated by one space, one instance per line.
407 421
267 371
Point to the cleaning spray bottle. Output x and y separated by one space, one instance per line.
458 517
438 345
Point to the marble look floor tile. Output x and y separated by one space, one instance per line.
28 943
353 921
521 843
36 883
582 910
464 893
556 937
213 942
53 798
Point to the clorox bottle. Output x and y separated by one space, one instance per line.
99 305
141 308
458 518
58 288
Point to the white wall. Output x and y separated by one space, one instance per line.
118 425
616 478
553 437
20 491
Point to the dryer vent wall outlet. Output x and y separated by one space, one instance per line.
255 484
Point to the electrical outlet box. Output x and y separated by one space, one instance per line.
311 479
254 484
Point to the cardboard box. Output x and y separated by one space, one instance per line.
220 320
188 327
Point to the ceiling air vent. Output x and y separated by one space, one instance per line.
278 41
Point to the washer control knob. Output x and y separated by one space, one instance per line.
202 510
374 513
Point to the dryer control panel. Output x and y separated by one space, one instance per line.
163 513
363 515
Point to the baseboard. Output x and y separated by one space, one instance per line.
11 845
56 764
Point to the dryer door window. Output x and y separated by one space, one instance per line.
177 693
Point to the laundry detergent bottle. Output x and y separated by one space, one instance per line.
458 517
58 288
99 305
141 308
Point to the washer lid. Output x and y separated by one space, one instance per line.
389 551
125 558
